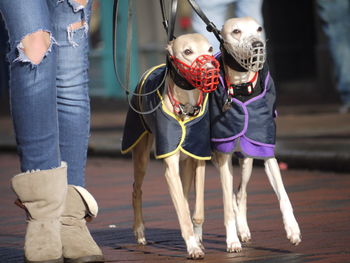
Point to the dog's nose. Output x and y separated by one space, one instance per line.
257 44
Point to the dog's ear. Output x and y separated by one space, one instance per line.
169 48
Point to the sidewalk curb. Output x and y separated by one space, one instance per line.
296 159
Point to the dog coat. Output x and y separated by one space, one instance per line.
191 136
246 127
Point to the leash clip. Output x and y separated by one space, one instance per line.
189 110
228 104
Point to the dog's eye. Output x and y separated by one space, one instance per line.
260 29
210 49
236 31
188 52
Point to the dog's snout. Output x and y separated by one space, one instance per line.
257 44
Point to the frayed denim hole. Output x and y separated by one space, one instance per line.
71 32
77 6
22 57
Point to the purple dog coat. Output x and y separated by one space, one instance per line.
247 127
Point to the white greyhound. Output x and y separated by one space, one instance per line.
180 129
242 121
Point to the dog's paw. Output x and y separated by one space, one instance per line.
195 253
193 248
293 233
244 236
243 230
295 239
141 241
234 247
139 233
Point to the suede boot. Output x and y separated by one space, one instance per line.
42 194
78 244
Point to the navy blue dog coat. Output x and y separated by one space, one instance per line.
247 127
191 136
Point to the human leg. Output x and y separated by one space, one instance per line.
250 8
42 186
32 60
70 31
336 18
216 11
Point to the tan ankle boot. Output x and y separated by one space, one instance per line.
78 244
42 194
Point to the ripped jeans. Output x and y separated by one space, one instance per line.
50 105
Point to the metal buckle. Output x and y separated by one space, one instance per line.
189 110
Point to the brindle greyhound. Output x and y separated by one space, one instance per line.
180 128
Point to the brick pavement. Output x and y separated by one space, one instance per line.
321 203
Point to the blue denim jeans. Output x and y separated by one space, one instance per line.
336 17
50 105
216 11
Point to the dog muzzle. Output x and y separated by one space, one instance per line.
250 53
202 74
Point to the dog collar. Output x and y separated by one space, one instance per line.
244 89
185 109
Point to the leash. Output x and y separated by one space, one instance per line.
128 58
210 25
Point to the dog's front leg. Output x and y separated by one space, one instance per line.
140 156
194 170
290 224
246 165
198 215
181 205
224 164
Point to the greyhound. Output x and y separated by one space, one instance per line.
180 129
242 112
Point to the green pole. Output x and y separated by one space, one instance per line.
111 86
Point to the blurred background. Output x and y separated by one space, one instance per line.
297 50
311 131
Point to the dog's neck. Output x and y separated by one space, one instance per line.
234 73
181 95
238 77
240 83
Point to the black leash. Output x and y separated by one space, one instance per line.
128 59
165 20
210 25
169 27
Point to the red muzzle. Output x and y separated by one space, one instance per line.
203 73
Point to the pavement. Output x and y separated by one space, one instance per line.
320 201
312 136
